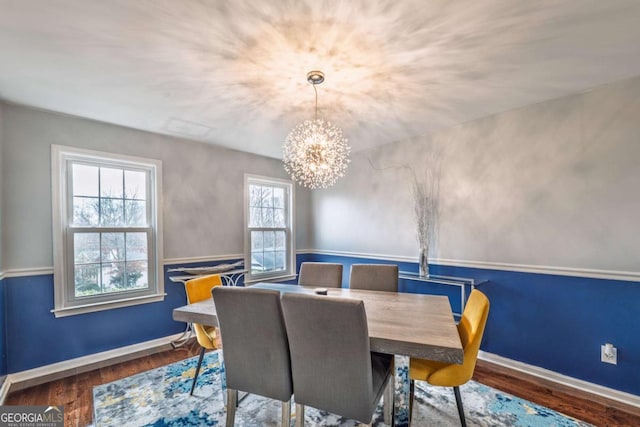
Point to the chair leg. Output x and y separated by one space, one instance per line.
286 413
456 391
195 378
232 397
388 402
299 415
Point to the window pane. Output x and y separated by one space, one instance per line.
257 262
136 246
278 197
256 241
135 213
86 211
267 196
113 277
267 217
255 217
280 260
255 195
280 241
279 218
86 248
111 212
86 280
269 240
111 183
112 247
137 275
268 261
135 185
85 180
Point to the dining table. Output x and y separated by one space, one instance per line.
402 324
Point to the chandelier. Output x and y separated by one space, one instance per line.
316 153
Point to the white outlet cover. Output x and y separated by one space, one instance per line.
613 358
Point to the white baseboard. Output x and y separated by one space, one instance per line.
42 374
4 390
606 392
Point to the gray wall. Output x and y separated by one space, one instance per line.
203 186
551 184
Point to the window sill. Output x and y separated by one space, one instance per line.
91 308
270 279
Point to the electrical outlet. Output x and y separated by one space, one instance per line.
609 354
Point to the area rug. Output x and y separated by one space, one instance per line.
160 398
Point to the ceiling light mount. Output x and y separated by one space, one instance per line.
315 77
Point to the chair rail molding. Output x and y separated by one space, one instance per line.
631 276
43 271
208 258
24 272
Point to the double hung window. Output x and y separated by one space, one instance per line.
268 233
107 239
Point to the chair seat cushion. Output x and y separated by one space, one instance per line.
438 373
421 369
207 336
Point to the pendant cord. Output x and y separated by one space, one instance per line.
316 91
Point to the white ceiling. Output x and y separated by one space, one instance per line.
235 70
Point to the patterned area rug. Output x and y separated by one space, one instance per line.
160 397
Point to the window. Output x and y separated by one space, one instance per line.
269 228
106 230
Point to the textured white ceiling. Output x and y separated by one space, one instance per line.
236 69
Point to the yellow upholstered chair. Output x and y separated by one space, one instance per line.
199 289
471 329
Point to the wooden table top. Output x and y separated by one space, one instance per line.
403 324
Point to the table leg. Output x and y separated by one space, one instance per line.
401 407
182 339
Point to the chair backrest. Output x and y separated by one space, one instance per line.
470 328
199 289
325 274
374 277
254 341
330 354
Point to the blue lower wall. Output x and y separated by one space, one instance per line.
3 330
35 337
554 322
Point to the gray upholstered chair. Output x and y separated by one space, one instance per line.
374 277
255 346
325 274
332 366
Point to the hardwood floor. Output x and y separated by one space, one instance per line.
75 392
584 406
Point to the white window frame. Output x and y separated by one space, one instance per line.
290 270
66 304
